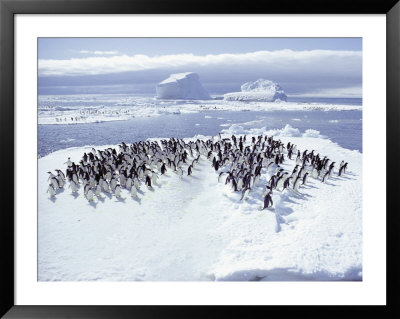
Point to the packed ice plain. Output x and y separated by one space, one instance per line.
109 107
195 228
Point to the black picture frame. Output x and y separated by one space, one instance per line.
8 8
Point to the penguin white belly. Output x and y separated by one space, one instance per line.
89 195
128 184
98 190
314 173
61 181
75 178
51 191
106 188
122 180
73 187
280 183
256 180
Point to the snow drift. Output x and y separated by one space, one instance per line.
182 86
260 90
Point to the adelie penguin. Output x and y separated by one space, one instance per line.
304 179
88 193
148 181
326 176
51 191
118 191
286 183
296 183
68 162
268 200
73 186
60 173
245 192
163 169
190 170
154 178
133 191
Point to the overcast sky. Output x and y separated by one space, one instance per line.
302 66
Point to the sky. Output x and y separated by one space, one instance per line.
320 67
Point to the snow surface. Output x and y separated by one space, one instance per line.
259 90
198 229
71 109
182 86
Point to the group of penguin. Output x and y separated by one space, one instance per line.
243 165
237 160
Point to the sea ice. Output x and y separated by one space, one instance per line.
194 228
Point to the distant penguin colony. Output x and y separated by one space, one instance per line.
238 163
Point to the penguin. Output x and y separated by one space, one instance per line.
154 178
89 195
73 186
55 183
101 181
163 169
220 176
234 184
281 180
122 179
51 190
136 183
245 192
75 178
296 183
341 164
98 190
60 173
118 191
304 179
60 180
331 167
314 173
113 184
268 200
133 191
148 181
106 186
286 183
68 162
326 176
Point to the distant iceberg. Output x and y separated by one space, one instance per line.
260 90
182 86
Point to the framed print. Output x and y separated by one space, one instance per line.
162 155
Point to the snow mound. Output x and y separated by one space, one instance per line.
260 90
287 131
182 86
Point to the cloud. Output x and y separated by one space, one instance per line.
98 52
282 59
349 92
298 72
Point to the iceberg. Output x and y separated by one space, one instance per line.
260 90
182 86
